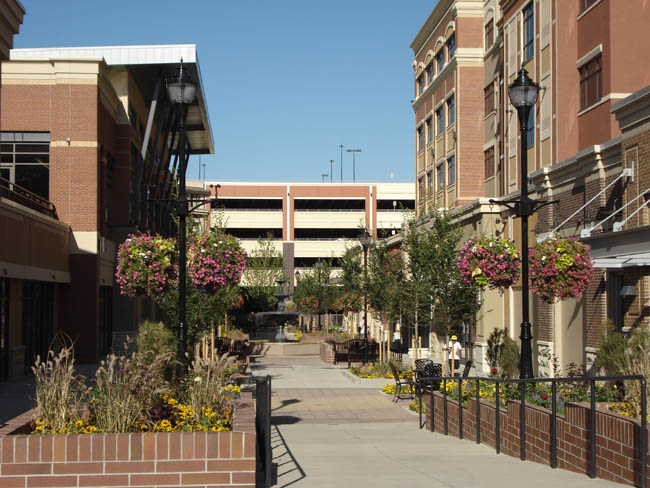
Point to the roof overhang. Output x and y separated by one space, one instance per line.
147 65
623 261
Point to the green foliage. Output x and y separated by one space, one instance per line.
509 358
314 291
352 270
637 362
262 274
435 287
385 287
611 353
494 342
154 338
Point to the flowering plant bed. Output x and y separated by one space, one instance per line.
489 261
145 265
560 269
379 370
215 260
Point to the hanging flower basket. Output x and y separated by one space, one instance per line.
215 261
146 265
489 261
560 269
350 302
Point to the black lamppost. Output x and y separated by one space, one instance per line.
523 95
331 171
365 239
182 91
341 148
353 151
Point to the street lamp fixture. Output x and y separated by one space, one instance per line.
353 151
523 95
366 239
181 90
323 176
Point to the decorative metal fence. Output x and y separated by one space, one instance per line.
524 386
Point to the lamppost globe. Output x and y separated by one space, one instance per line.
181 88
523 91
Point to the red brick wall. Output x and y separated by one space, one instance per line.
152 459
617 437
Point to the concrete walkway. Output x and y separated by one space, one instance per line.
330 431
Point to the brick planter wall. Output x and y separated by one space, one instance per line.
617 437
326 352
128 460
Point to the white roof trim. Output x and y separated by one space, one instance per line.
114 55
623 261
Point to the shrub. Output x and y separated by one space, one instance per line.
611 353
509 358
637 361
495 339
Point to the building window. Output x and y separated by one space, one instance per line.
585 4
420 82
420 138
451 170
430 73
430 182
530 134
440 60
429 130
488 93
529 32
451 47
440 120
489 162
421 188
451 110
590 82
489 34
440 170
25 161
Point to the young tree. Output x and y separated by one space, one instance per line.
314 291
262 273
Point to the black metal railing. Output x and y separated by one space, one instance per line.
263 454
26 198
523 386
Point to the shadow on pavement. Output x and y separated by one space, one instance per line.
284 419
287 470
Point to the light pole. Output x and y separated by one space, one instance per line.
323 176
523 95
341 147
365 239
353 151
331 171
182 91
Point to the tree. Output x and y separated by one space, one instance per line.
385 287
314 291
435 288
263 272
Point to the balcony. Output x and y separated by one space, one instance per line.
24 197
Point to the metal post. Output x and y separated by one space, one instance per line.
497 423
553 424
522 423
182 211
644 432
478 411
341 147
526 208
365 304
592 429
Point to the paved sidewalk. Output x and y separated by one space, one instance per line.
329 431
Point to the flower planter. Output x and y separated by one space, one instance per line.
127 460
617 436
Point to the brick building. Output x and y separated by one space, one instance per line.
579 53
90 133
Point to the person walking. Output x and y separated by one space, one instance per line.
453 347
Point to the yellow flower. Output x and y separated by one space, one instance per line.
79 423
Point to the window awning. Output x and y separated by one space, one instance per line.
623 261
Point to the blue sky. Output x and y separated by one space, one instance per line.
286 81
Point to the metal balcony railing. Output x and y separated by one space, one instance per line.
26 198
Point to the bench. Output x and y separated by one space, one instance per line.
357 351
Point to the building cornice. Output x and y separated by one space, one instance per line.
429 27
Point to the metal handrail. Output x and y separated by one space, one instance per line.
522 415
23 196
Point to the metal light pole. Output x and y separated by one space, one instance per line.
182 91
365 239
323 176
341 147
331 171
353 151
523 95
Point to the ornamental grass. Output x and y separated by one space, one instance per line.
133 392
